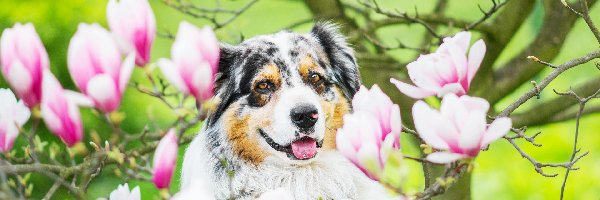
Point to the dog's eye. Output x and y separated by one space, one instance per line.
315 78
264 86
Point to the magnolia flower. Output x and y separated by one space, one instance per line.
195 59
371 132
448 70
378 104
459 128
13 115
276 194
60 111
95 66
134 23
23 58
122 193
165 157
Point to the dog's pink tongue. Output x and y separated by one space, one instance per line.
304 148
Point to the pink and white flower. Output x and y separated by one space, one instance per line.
122 193
448 70
134 23
13 115
59 110
95 66
371 132
165 158
378 104
194 61
459 128
23 58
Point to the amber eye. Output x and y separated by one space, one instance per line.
264 86
315 78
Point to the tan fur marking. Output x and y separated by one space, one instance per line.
307 65
335 112
244 145
269 72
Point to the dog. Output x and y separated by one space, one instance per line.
281 99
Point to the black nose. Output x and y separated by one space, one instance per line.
304 116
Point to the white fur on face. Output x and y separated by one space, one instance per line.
283 131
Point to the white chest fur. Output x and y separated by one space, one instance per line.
328 176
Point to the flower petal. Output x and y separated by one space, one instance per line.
476 55
444 157
171 73
79 99
126 69
454 88
410 90
497 129
103 91
427 126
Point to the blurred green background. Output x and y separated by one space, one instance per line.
500 172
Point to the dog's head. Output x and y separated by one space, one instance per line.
282 96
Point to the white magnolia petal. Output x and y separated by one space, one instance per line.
444 157
423 117
497 129
411 90
471 134
476 55
126 70
171 73
79 98
19 78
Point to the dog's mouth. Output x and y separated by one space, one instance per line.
303 148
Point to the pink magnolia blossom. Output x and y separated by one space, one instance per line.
95 66
23 58
122 193
13 115
60 111
378 104
371 132
134 23
194 61
165 158
448 70
459 128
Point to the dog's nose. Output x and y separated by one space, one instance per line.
304 115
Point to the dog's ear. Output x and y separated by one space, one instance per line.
229 57
340 56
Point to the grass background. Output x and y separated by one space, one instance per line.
500 172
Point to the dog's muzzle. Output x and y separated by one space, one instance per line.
302 148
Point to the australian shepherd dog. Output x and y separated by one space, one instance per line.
281 99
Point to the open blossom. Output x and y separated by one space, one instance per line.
194 61
378 104
371 132
459 128
134 23
165 158
59 110
95 66
122 193
448 70
23 59
13 115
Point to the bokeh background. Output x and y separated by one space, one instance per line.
500 172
